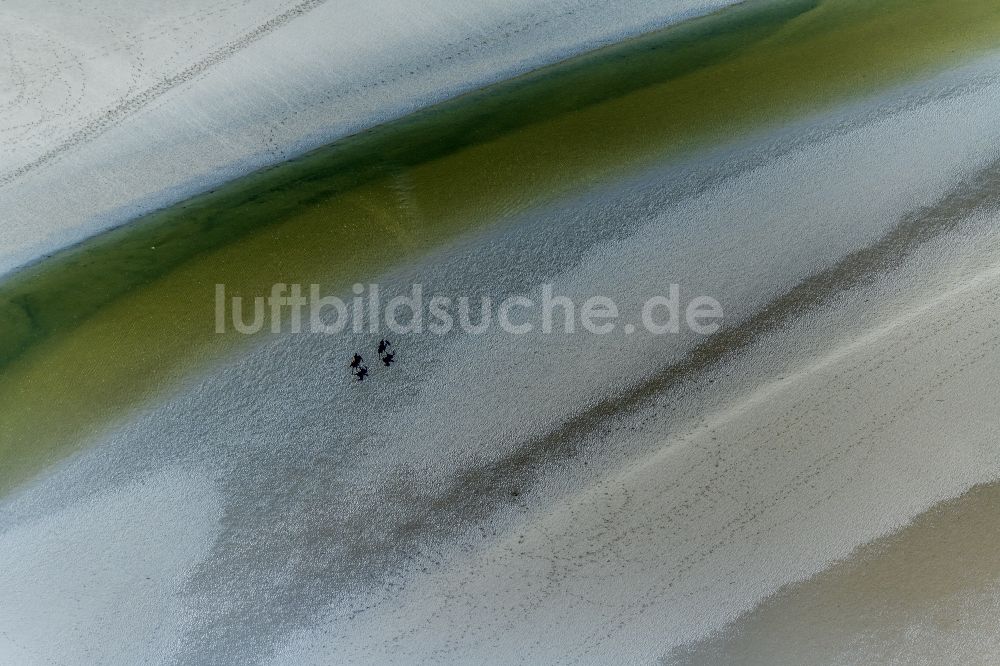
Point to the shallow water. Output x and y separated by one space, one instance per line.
347 212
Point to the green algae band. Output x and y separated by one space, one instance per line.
101 327
59 292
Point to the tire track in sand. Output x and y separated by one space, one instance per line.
130 105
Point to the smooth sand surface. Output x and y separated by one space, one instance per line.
925 595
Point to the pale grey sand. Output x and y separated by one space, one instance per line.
929 594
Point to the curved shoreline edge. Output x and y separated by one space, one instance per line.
464 163
54 292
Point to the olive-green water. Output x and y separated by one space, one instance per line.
99 329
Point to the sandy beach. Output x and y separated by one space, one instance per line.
815 482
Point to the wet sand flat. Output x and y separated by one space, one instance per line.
925 595
422 180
